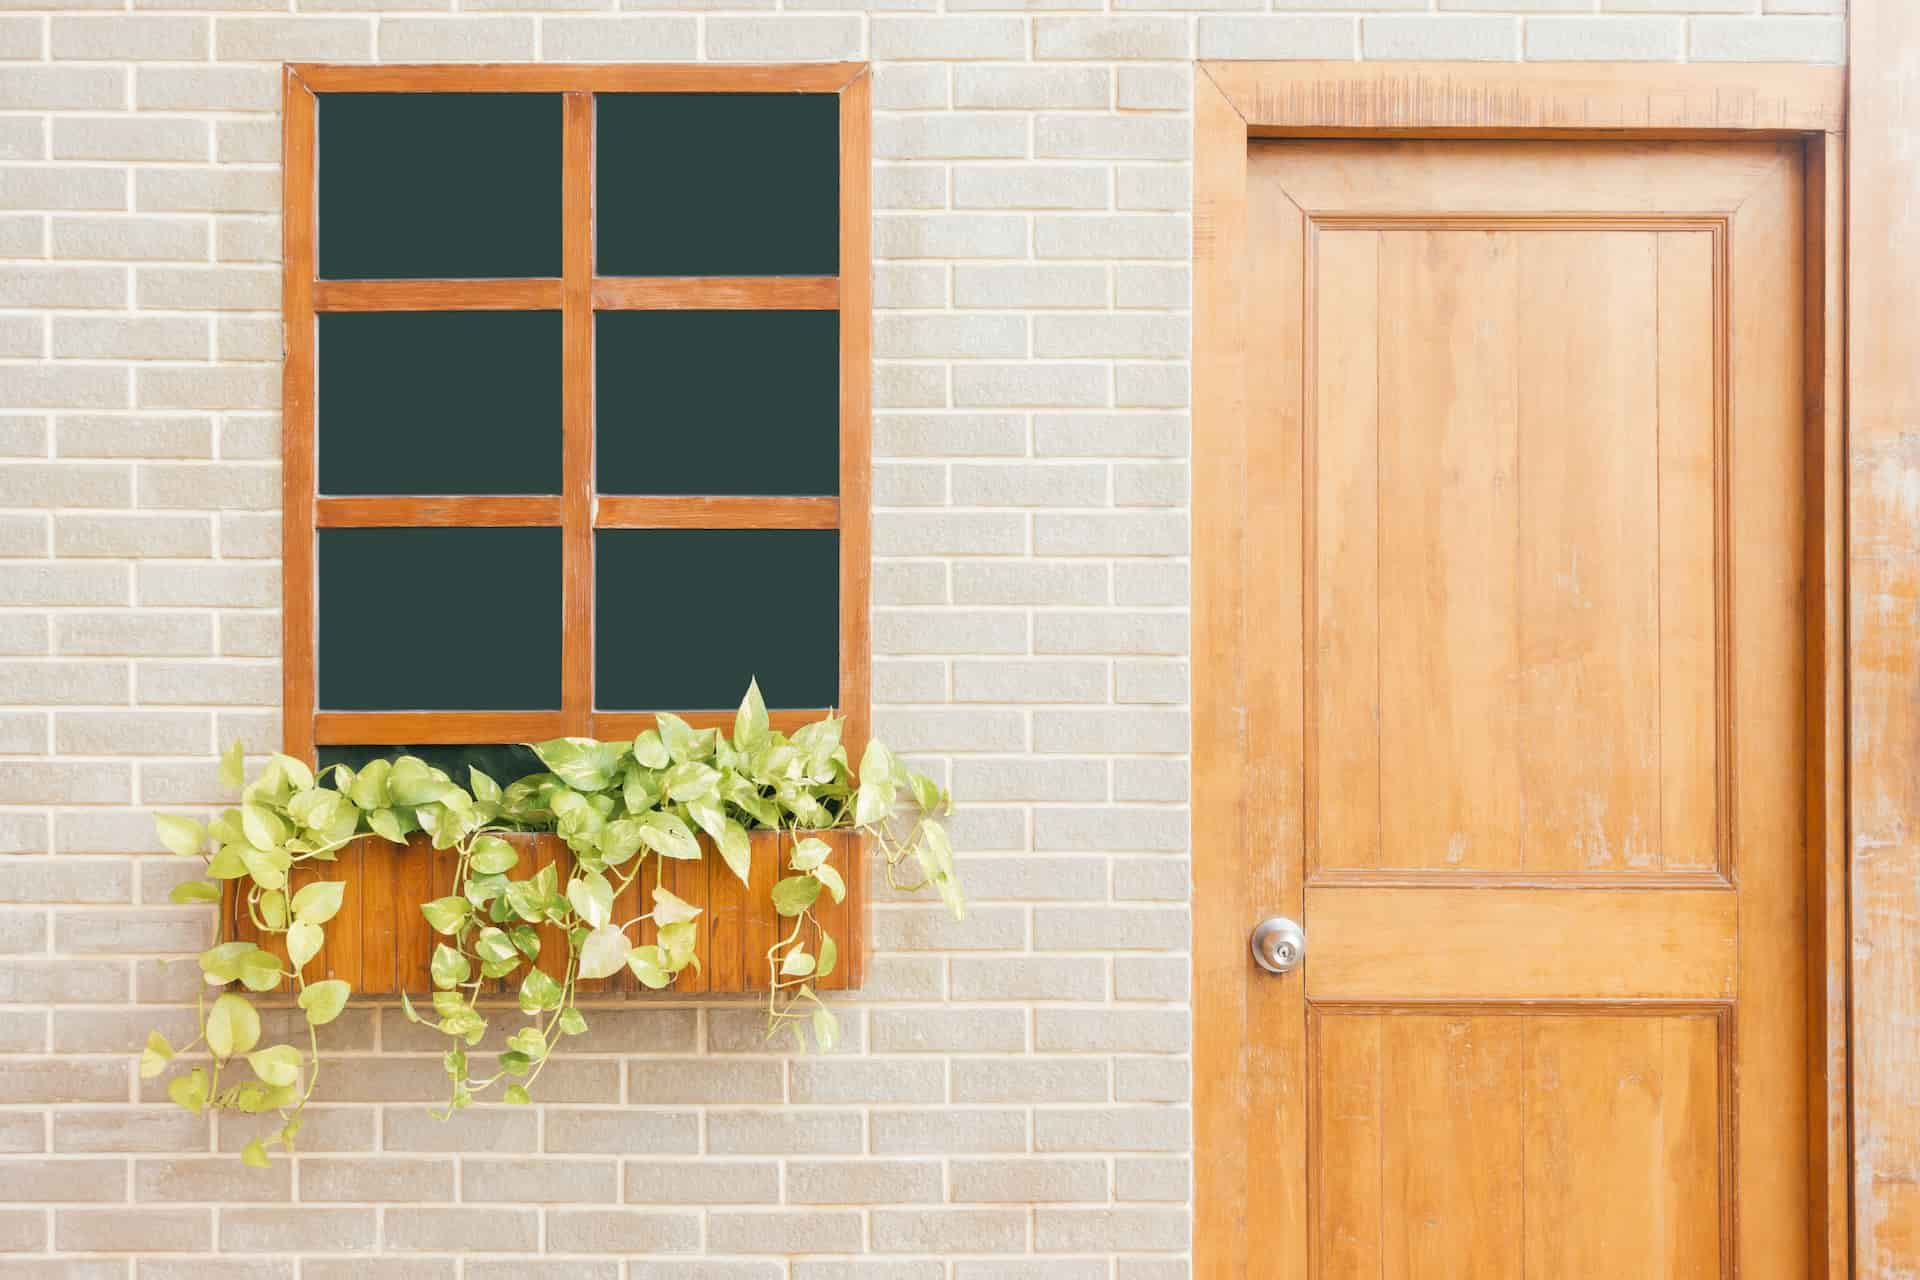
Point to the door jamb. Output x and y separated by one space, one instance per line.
1237 101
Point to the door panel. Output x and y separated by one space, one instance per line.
1525 472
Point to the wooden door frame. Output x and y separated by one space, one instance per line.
1235 102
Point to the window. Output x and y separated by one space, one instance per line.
576 403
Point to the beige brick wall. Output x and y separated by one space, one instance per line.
1012 1099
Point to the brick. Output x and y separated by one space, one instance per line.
999 484
865 1181
50 484
1030 186
22 1231
1101 137
669 1080
909 582
207 190
1151 1178
748 1132
965 729
948 435
545 1181
145 1230
1025 778
1162 337
1038 681
1031 385
1770 39
1093 1129
933 928
784 1231
900 286
973 235
1110 435
948 136
61 1080
65 981
306 1229
906 680
206 89
1131 830
122 436
1604 39
910 386
200 1179
782 39
129 138
1028 1080
1052 286
435 1230
622 1231
950 1230
1110 929
596 39
1138 533
950 1131
492 1129
73 880
1469 39
863 1081
1133 1229
970 533
1153 89
946 336
1152 1080
207 388
1028 878
1031 88
1277 38
1111 38
910 88
50 188
1110 236
50 88
587 1130
134 633
948 39
1150 485
1159 781
62 386
705 1181
1029 1181
302 39
223 288
217 487
136 38
949 1030
1028 978
229 586
209 684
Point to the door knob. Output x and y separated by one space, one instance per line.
1279 944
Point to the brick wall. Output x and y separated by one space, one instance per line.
1011 1102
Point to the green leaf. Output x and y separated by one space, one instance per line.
494 945
254 1155
877 765
189 1091
691 780
273 908
650 751
493 856
323 1001
406 1007
872 804
619 841
295 771
221 963
155 1057
935 855
795 894
233 766
412 781
797 964
263 827
183 836
259 970
267 867
484 788
581 763
386 825
736 849
605 950
232 1026
450 968
750 722
826 1029
829 955
830 877
529 1041
446 915
304 942
649 964
369 789
278 1066
539 992
592 897
677 940
809 853
190 891
667 835
319 902
670 908
517 1095
572 1022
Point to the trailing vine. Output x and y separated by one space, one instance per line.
619 806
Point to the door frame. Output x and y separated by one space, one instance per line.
1236 102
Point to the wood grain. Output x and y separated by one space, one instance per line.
802 77
437 295
299 453
626 512
856 465
577 380
402 728
1501 99
384 513
1496 943
627 724
718 293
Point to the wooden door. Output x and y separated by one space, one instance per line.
1526 494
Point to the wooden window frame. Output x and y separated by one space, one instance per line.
1236 102
578 511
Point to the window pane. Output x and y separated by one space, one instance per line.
684 618
718 402
439 185
717 184
439 619
426 402
504 763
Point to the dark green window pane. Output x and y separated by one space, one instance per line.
439 619
684 618
717 184
722 402
503 762
429 402
439 185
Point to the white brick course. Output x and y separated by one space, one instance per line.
1011 1100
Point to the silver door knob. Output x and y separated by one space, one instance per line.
1278 944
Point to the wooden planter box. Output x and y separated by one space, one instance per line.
381 944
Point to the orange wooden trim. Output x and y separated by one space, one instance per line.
612 725
1464 98
717 293
719 513
398 728
401 513
802 77
576 657
856 470
299 467
436 295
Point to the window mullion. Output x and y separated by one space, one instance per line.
576 683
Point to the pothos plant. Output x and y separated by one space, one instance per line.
621 807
